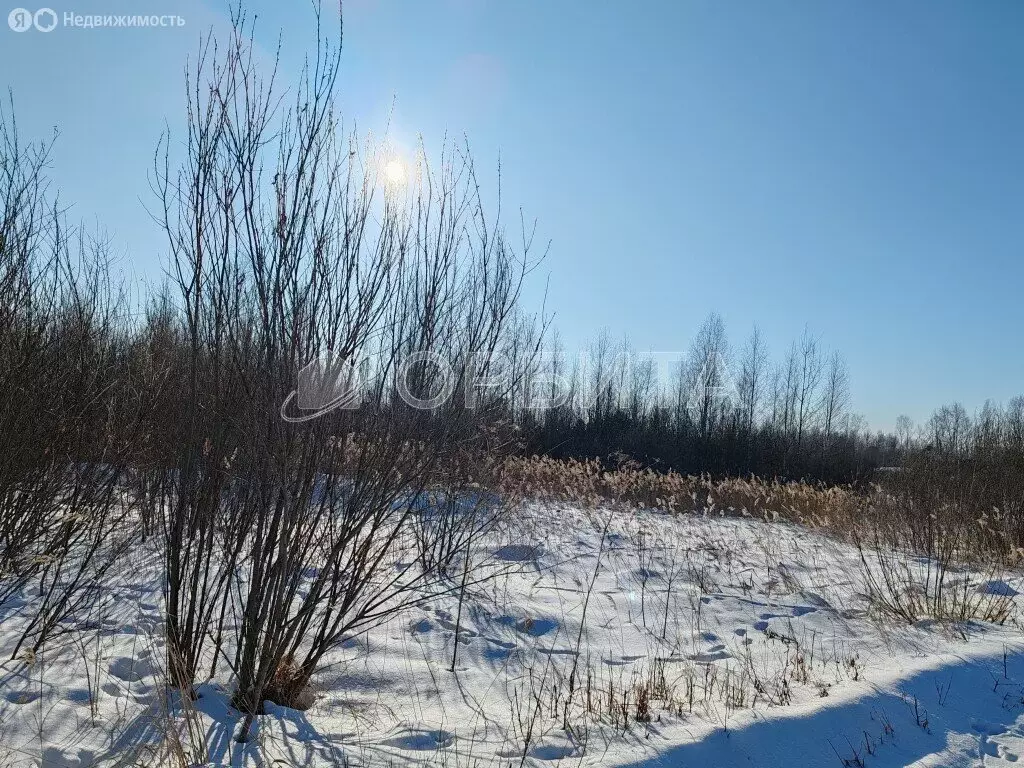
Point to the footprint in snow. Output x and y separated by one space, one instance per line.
551 752
620 662
762 625
421 740
536 627
54 756
79 696
990 729
718 653
500 643
130 670
497 654
464 632
21 697
813 598
996 587
989 748
518 553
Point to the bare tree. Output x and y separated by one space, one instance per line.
949 429
601 376
707 373
1015 424
904 431
836 396
751 383
642 388
809 366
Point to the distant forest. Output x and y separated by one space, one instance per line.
736 412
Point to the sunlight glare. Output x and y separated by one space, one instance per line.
395 173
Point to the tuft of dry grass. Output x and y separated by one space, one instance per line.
289 685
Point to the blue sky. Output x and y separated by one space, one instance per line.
854 166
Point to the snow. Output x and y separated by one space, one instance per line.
762 646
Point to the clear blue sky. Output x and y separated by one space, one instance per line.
858 166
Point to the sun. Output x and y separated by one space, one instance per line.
394 171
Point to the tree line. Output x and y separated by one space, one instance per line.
728 411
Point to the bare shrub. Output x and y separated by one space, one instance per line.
285 535
75 409
929 548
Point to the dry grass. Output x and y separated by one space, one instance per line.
587 482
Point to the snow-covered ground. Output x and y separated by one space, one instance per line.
752 642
